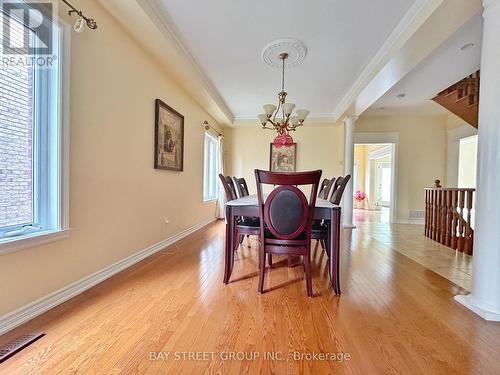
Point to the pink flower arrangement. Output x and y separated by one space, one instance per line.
360 196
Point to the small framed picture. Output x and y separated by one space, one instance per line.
283 159
169 138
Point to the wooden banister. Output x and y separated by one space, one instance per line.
448 217
462 98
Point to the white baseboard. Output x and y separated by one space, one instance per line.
31 310
484 312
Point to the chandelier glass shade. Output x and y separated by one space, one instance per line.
280 118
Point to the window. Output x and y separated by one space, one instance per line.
33 141
467 159
211 167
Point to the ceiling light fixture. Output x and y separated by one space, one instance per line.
82 20
467 46
285 123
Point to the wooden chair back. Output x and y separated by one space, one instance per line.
323 188
241 186
327 191
339 187
286 213
227 184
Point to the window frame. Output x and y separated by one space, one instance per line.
210 186
51 167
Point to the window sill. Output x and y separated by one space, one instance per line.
11 245
212 200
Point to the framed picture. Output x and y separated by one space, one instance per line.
169 138
283 159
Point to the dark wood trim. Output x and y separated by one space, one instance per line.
159 103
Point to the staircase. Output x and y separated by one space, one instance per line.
462 99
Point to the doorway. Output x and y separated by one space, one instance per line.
375 175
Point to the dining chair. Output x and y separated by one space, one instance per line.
241 186
322 191
326 191
339 188
286 217
248 226
321 229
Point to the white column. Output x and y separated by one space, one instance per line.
349 122
485 297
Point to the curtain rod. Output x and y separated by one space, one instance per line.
208 127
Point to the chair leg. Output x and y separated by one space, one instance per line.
270 259
322 243
307 268
262 268
238 239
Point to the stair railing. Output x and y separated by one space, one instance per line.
449 217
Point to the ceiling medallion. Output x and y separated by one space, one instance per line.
295 49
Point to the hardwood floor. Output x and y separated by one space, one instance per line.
407 240
395 316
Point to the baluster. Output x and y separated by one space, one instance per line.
461 226
468 229
443 217
433 212
440 217
427 199
454 199
448 218
436 217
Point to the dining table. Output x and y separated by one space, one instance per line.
324 210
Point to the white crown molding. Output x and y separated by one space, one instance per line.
31 310
415 16
159 17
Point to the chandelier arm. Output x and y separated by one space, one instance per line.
272 122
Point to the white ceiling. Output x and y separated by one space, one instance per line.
226 37
445 66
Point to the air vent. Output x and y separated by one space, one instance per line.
19 344
416 214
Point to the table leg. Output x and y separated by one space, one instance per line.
229 250
334 264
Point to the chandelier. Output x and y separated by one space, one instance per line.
280 117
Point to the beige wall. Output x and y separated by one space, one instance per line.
421 154
360 160
118 201
319 146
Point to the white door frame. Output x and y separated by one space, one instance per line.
393 140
